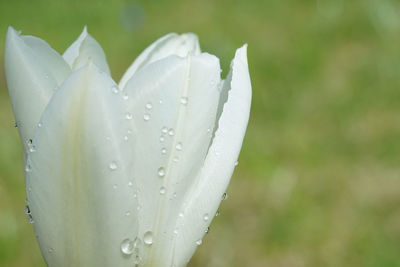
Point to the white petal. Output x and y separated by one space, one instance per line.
170 44
85 47
219 164
72 51
78 187
173 103
33 71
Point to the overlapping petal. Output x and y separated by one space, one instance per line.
170 44
79 187
83 49
33 71
173 103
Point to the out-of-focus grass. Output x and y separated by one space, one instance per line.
318 182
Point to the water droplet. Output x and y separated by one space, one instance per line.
174 195
148 238
32 149
129 131
176 159
171 132
198 242
137 259
208 130
146 116
149 106
164 130
207 230
217 213
29 218
27 210
138 207
126 138
125 96
15 125
127 246
113 166
161 172
160 101
179 146
236 163
224 196
162 190
205 217
114 89
181 214
39 124
50 250
184 100
28 168
175 231
162 138
163 150
130 184
128 213
128 116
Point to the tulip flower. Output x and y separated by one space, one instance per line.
127 174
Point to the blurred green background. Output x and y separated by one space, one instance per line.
318 183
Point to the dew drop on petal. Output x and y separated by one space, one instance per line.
149 106
162 138
207 230
130 184
127 246
27 210
162 190
148 238
171 132
179 146
137 259
146 116
113 166
125 96
128 116
205 217
217 213
236 163
128 213
29 218
184 100
181 214
39 124
175 231
164 130
176 159
28 168
198 242
163 150
160 101
114 89
161 172
224 196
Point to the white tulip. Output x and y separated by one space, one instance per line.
131 174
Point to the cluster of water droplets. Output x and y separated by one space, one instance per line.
132 248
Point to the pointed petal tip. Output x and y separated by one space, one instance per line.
241 54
